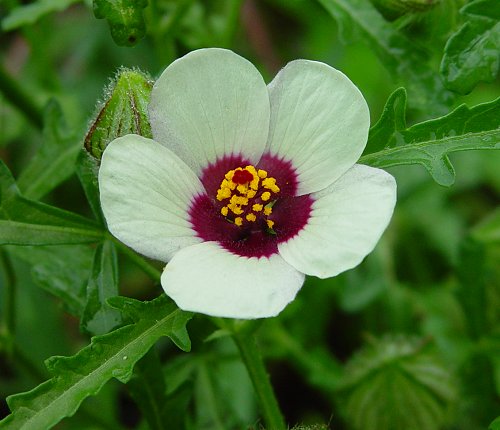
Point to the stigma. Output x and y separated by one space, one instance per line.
248 195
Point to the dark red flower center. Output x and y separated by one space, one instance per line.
249 209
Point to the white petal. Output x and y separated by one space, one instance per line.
208 279
319 121
210 103
145 195
346 223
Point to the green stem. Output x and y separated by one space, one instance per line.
255 366
16 95
147 268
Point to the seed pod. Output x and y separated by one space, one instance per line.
123 112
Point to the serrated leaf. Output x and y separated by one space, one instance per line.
394 50
428 143
98 317
124 18
61 270
472 54
27 222
393 384
55 160
112 355
30 13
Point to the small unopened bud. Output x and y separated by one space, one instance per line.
125 111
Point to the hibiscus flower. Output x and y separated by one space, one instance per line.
247 188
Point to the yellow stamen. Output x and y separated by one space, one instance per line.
269 223
257 207
251 217
224 211
238 221
268 210
265 196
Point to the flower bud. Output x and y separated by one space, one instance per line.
123 112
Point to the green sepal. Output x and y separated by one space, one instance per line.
125 111
428 143
112 355
125 19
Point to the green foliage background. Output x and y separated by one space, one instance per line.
410 339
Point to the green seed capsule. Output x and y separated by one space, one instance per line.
123 112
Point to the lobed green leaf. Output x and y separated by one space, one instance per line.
395 51
472 54
27 222
428 143
112 355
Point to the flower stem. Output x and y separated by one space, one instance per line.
255 366
13 92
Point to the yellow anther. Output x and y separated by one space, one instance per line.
239 200
269 223
223 193
251 217
257 207
235 209
268 210
268 182
229 175
224 211
242 189
265 196
251 194
238 221
254 185
262 173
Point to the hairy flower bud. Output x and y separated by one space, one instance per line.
124 111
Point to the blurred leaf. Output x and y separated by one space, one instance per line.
495 425
112 355
394 384
26 222
428 143
489 229
98 317
472 54
394 50
31 13
124 18
147 388
125 111
61 270
55 160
